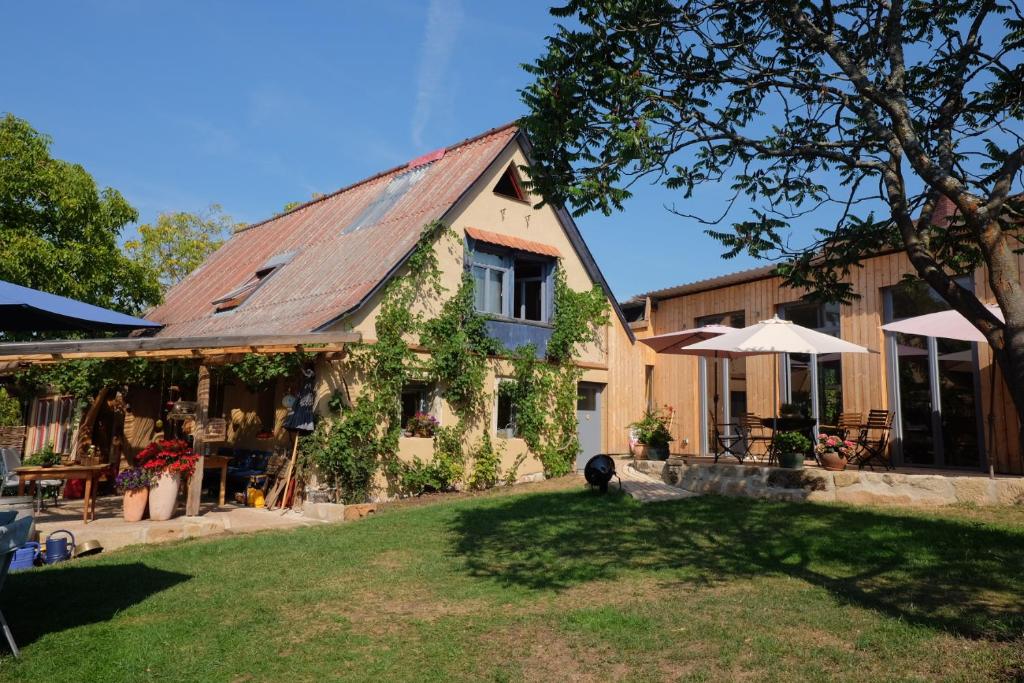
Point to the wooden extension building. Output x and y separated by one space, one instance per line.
949 414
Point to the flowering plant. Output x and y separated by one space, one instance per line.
133 479
653 428
168 455
829 443
422 423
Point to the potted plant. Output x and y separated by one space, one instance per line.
134 483
44 457
792 448
652 434
833 453
422 425
790 410
166 461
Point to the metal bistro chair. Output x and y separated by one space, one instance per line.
729 439
873 440
733 438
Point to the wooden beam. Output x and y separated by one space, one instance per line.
195 482
174 347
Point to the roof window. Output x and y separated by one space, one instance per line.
237 296
387 198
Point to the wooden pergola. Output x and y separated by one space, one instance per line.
206 350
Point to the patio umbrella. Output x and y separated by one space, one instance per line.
952 325
773 336
946 324
29 310
678 342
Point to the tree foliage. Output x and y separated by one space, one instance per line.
59 232
863 120
178 242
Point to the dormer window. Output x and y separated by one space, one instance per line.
512 277
239 295
509 185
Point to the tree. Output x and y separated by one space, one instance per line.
59 232
179 242
809 111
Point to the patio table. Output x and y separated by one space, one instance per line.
804 425
90 473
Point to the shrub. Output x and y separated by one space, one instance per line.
792 442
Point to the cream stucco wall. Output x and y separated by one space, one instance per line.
481 208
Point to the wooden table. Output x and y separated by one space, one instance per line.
213 462
90 473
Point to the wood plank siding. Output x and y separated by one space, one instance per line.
864 377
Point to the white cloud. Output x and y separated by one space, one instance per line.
444 17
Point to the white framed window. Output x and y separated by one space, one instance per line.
513 285
505 410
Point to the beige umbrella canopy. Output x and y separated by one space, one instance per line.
773 336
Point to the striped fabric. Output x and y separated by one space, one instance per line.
51 422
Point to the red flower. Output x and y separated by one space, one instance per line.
168 455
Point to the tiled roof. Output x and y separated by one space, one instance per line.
511 242
330 273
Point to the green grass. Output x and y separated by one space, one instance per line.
551 585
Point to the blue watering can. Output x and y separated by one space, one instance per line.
59 549
25 556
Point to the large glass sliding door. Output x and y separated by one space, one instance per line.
813 382
933 385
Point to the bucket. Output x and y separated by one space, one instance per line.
25 556
59 549
254 499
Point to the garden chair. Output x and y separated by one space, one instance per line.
757 433
14 533
873 440
847 424
730 438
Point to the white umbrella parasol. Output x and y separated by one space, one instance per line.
773 336
946 324
952 325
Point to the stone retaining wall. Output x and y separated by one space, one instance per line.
850 486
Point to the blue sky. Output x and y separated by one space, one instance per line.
255 104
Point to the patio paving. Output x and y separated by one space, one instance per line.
645 488
113 532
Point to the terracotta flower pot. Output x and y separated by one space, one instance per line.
135 504
832 461
163 496
640 451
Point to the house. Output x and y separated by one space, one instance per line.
324 265
948 414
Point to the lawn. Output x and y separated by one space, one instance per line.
546 585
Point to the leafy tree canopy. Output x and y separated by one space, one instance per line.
817 114
178 242
59 232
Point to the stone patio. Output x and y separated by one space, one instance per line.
864 487
110 529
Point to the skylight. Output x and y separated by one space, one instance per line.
387 199
237 296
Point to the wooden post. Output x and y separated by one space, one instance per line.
195 483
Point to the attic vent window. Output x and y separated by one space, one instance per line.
237 296
387 199
509 185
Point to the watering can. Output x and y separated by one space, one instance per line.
25 556
59 549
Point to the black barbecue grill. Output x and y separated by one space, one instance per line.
599 471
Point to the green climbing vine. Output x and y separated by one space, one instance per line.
544 391
361 437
